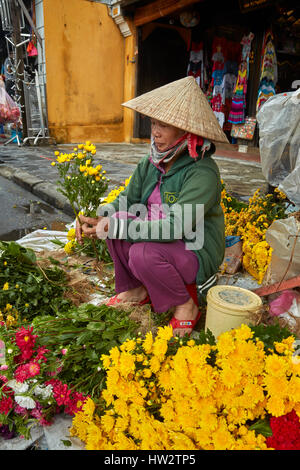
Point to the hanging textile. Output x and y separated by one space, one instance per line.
238 104
219 50
269 71
196 63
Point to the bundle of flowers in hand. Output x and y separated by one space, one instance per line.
166 393
250 222
72 246
81 181
30 393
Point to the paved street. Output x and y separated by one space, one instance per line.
242 176
26 174
22 212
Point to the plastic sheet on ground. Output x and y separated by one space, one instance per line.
40 240
46 438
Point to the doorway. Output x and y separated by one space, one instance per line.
163 58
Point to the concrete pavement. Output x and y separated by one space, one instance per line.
30 167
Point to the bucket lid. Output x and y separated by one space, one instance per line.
234 297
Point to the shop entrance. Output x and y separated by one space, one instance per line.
163 58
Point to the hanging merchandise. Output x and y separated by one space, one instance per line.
9 111
269 73
238 104
218 59
196 67
31 49
225 58
229 79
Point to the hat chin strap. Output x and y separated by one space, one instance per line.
194 141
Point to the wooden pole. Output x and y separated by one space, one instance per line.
19 73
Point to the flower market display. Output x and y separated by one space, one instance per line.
118 372
250 221
169 394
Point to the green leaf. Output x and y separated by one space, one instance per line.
66 442
96 326
261 427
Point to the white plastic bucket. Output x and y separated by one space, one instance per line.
229 307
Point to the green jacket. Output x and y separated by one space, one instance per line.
187 184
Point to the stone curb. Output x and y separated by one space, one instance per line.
40 188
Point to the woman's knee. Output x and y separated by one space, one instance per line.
142 256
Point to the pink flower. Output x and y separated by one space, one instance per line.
33 369
37 413
4 367
64 351
26 371
20 410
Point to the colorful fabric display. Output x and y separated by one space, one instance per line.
238 104
269 71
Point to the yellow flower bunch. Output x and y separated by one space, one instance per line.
9 315
114 193
82 181
163 393
250 222
70 246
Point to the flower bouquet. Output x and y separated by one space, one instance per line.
83 183
30 393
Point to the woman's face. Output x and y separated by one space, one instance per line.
164 135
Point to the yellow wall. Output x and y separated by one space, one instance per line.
85 54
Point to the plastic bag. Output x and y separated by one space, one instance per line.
9 111
286 307
283 236
279 130
284 302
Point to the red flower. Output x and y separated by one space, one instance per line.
26 371
65 397
21 373
285 432
25 340
41 351
6 404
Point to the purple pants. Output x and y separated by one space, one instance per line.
162 268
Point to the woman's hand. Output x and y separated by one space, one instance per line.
87 226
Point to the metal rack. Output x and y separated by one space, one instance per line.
34 91
37 127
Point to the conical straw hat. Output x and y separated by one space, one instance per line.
181 104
